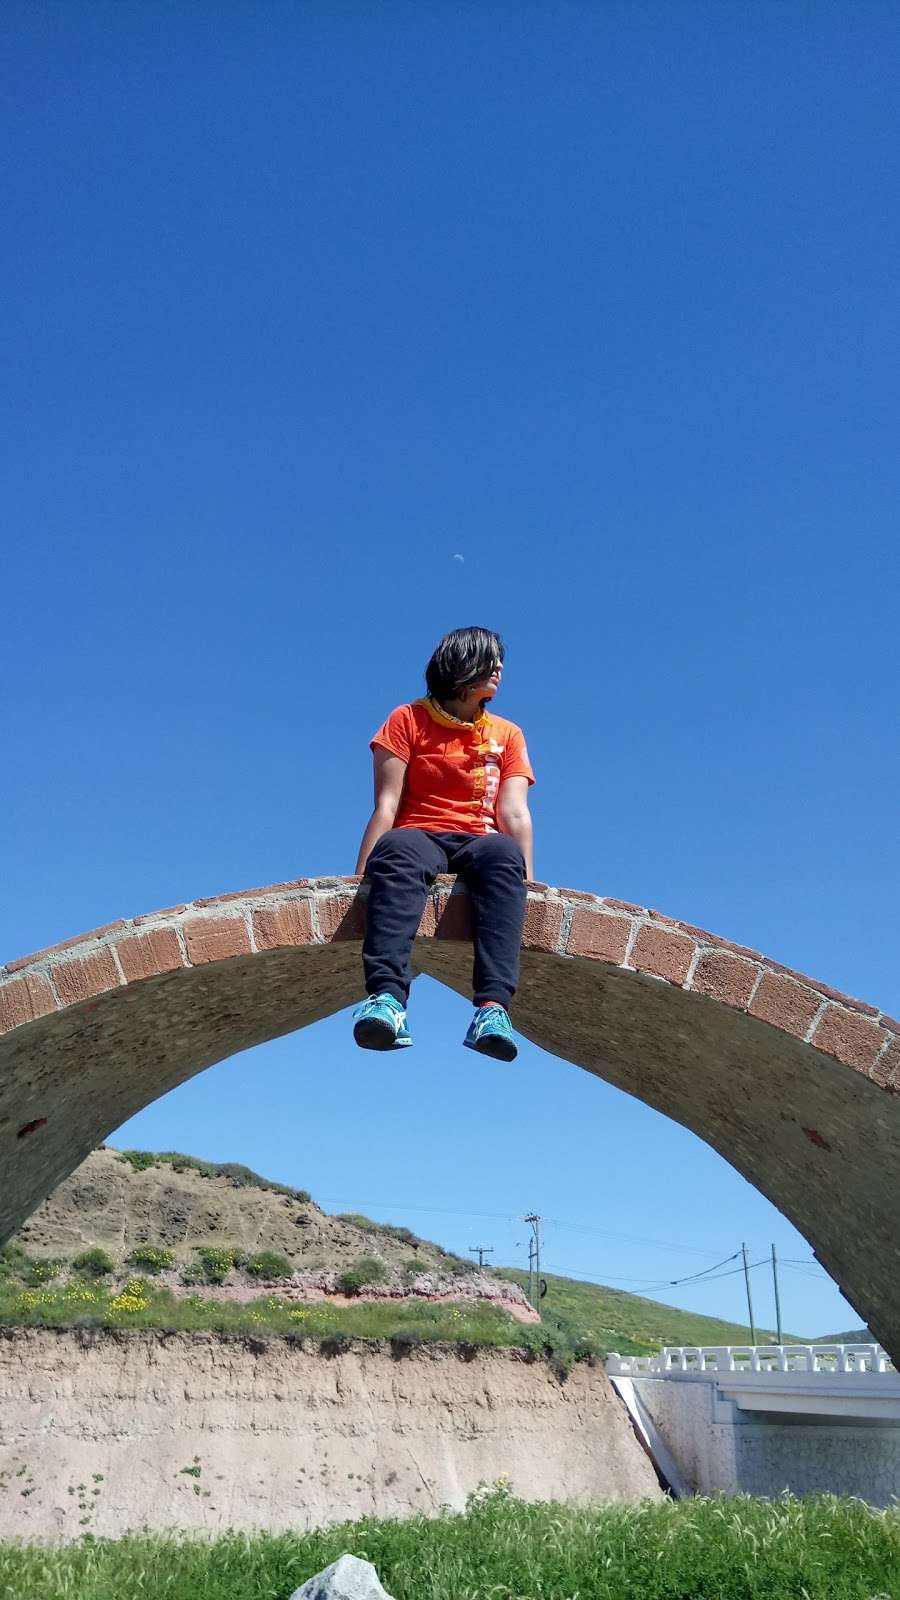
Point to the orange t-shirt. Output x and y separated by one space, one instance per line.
453 769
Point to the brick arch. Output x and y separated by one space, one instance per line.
797 1086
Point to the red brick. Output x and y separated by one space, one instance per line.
725 977
154 916
543 925
78 980
263 889
224 899
854 1040
454 917
824 990
289 924
666 954
703 935
144 955
65 944
622 905
785 1004
342 916
891 1023
602 937
215 939
24 1000
886 1072
535 884
735 949
579 894
428 919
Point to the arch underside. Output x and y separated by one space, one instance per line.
819 1140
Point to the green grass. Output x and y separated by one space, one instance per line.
740 1549
579 1319
611 1319
142 1304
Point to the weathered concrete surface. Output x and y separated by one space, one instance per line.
721 1449
192 1432
795 1085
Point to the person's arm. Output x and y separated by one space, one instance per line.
390 774
514 817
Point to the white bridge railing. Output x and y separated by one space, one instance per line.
745 1358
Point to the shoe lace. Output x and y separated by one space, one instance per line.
498 1019
377 1000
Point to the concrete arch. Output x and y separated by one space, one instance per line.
797 1086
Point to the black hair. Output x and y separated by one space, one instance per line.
463 657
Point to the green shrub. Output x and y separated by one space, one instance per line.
367 1270
153 1258
238 1175
414 1265
357 1220
456 1267
183 1163
268 1264
217 1261
245 1178
139 1159
37 1271
404 1235
95 1263
193 1273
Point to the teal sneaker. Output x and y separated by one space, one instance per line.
490 1032
381 1024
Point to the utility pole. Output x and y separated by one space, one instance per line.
534 1256
749 1300
777 1300
481 1250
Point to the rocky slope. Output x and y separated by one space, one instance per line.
109 1202
182 1206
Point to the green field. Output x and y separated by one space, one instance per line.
609 1319
741 1549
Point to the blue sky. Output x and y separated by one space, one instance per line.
301 302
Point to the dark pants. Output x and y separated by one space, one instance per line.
400 869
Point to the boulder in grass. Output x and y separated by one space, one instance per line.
348 1578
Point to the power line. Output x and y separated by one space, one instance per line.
496 1216
806 1266
697 1282
631 1238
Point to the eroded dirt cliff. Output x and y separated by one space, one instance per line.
108 1432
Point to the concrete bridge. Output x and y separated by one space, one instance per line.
814 1419
797 1086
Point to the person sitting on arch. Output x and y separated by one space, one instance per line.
451 795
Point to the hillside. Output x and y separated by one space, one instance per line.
122 1199
611 1319
144 1239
